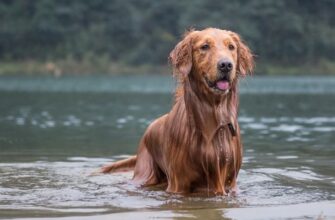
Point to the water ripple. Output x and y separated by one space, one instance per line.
68 184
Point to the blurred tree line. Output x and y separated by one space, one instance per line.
137 32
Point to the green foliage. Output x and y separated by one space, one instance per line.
134 33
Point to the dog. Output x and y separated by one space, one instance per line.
197 145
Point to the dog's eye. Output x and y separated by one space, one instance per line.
231 47
204 47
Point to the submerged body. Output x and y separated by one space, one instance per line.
175 150
197 145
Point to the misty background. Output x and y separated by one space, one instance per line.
100 36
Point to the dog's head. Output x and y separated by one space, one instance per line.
214 57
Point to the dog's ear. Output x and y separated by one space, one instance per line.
181 56
245 59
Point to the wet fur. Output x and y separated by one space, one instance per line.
192 148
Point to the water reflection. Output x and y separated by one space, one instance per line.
66 186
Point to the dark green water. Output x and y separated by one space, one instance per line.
55 132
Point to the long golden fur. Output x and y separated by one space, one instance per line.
197 145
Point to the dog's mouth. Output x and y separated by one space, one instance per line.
222 84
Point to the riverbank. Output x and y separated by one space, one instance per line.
105 66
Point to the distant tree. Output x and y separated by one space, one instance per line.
143 32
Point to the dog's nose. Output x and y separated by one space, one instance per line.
225 65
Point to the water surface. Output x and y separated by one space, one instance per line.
55 132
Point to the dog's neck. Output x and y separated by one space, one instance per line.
208 112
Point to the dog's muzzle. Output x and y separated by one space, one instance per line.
222 84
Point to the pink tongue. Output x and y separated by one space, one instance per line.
223 85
